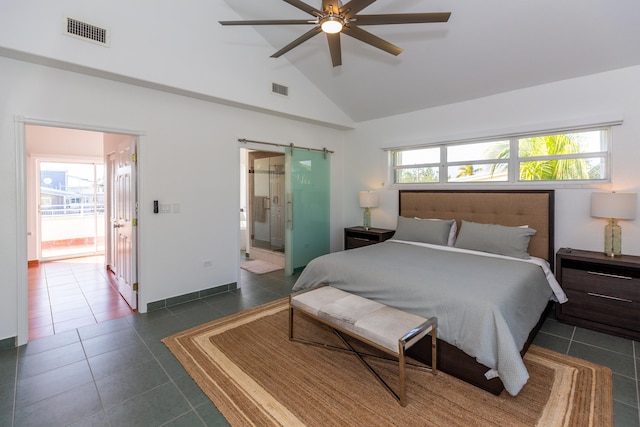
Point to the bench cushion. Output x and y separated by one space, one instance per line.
368 319
387 326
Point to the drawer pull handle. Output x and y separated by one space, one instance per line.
361 238
616 276
593 294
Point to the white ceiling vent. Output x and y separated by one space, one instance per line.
279 89
83 30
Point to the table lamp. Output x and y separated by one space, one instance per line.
368 199
613 206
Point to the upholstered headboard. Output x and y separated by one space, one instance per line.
534 208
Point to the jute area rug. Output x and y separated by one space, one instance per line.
259 267
254 375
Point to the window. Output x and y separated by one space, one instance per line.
581 155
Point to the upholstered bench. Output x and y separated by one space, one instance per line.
388 329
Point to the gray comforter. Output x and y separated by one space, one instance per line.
486 306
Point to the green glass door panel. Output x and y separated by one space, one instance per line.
307 176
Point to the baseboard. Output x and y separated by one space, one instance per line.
8 343
191 296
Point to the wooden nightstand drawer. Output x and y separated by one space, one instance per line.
358 242
602 309
603 291
357 237
617 284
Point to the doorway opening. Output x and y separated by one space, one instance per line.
265 213
277 189
73 211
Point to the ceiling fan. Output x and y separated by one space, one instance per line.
334 19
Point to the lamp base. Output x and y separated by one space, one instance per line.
366 219
613 238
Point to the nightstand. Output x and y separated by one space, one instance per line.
603 291
356 237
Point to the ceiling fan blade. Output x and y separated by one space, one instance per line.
303 38
354 6
367 37
402 18
270 22
334 49
304 6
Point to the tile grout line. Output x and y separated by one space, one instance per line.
95 384
171 379
573 333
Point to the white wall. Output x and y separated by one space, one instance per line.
188 155
577 101
148 41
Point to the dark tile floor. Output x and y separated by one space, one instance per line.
118 373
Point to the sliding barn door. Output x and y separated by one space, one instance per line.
307 207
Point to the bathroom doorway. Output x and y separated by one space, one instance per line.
266 206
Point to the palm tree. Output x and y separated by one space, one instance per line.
546 170
467 170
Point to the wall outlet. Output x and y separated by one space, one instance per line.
207 263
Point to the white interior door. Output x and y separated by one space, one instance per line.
124 221
110 252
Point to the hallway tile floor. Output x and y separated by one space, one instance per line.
72 293
118 373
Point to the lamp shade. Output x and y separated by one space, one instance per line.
368 199
614 205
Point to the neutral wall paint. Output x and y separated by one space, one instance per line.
189 155
155 43
577 101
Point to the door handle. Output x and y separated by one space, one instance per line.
290 208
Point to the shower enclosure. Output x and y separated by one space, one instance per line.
267 201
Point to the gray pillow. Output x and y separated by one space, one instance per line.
417 230
496 239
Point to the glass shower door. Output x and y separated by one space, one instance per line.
268 204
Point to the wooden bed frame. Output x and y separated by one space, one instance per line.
534 208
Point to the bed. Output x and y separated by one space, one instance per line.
488 278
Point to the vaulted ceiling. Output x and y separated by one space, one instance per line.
486 47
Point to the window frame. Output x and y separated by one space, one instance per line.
513 162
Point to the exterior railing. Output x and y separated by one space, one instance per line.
72 209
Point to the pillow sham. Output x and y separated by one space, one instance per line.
452 231
496 239
417 230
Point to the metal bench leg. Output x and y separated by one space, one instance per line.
434 353
403 375
290 322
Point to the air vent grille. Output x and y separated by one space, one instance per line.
85 31
279 89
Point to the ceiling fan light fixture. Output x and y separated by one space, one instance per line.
332 24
